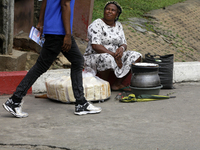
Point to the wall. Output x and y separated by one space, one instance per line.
82 17
6 26
23 17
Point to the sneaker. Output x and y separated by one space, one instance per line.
86 108
14 108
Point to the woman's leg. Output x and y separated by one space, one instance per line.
105 74
139 59
118 82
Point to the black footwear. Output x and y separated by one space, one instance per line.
86 108
14 108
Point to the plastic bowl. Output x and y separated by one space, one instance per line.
151 91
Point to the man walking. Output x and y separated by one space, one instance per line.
55 21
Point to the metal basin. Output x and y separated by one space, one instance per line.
145 75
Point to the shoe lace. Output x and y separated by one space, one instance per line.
13 103
87 103
79 106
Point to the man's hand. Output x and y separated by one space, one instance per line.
67 43
40 28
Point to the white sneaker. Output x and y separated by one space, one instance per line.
86 108
14 108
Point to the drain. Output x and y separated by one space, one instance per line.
30 147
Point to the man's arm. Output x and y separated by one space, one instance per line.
66 12
41 17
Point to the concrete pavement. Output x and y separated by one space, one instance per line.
156 125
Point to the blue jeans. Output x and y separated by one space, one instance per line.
49 52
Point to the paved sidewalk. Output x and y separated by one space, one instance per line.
157 125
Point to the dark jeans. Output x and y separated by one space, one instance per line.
50 50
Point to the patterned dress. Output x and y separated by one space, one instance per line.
111 38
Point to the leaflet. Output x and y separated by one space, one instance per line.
35 36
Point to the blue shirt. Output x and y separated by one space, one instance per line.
53 23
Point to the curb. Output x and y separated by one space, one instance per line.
182 72
10 80
186 72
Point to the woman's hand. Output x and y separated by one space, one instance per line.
119 62
119 53
118 56
67 42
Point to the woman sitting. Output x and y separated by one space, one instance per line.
106 50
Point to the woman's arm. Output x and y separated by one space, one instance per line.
101 49
117 55
123 46
120 50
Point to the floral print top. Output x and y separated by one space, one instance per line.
102 34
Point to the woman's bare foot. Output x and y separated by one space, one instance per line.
120 88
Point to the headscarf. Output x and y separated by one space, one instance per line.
117 5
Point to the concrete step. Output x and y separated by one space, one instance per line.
24 43
14 62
